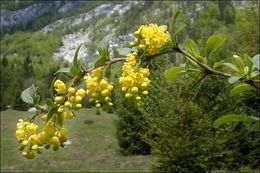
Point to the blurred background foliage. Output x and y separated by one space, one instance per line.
175 122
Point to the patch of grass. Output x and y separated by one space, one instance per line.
94 147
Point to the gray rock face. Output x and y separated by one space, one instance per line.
11 18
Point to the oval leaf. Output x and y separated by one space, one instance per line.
173 73
240 88
191 47
229 118
231 66
233 79
213 43
28 94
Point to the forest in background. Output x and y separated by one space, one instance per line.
175 121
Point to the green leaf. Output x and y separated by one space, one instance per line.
231 66
191 47
254 74
36 99
229 118
256 60
213 43
167 45
124 51
50 103
100 61
103 46
75 59
51 113
240 88
176 15
178 31
239 63
233 79
173 73
28 94
51 90
249 62
62 70
59 119
217 64
105 41
75 69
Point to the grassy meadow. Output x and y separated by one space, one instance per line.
94 147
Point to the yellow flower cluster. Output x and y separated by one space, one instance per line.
29 139
150 38
134 84
73 100
98 88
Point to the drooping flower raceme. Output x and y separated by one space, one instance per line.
134 83
149 39
98 88
32 142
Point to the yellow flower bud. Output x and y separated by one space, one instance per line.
138 98
145 92
62 134
78 106
81 92
144 85
67 114
98 105
141 46
43 137
105 92
132 43
110 104
107 99
35 147
103 84
44 117
71 90
134 90
78 99
20 134
110 87
25 142
124 89
67 104
33 139
54 140
31 128
59 99
60 109
128 95
20 125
